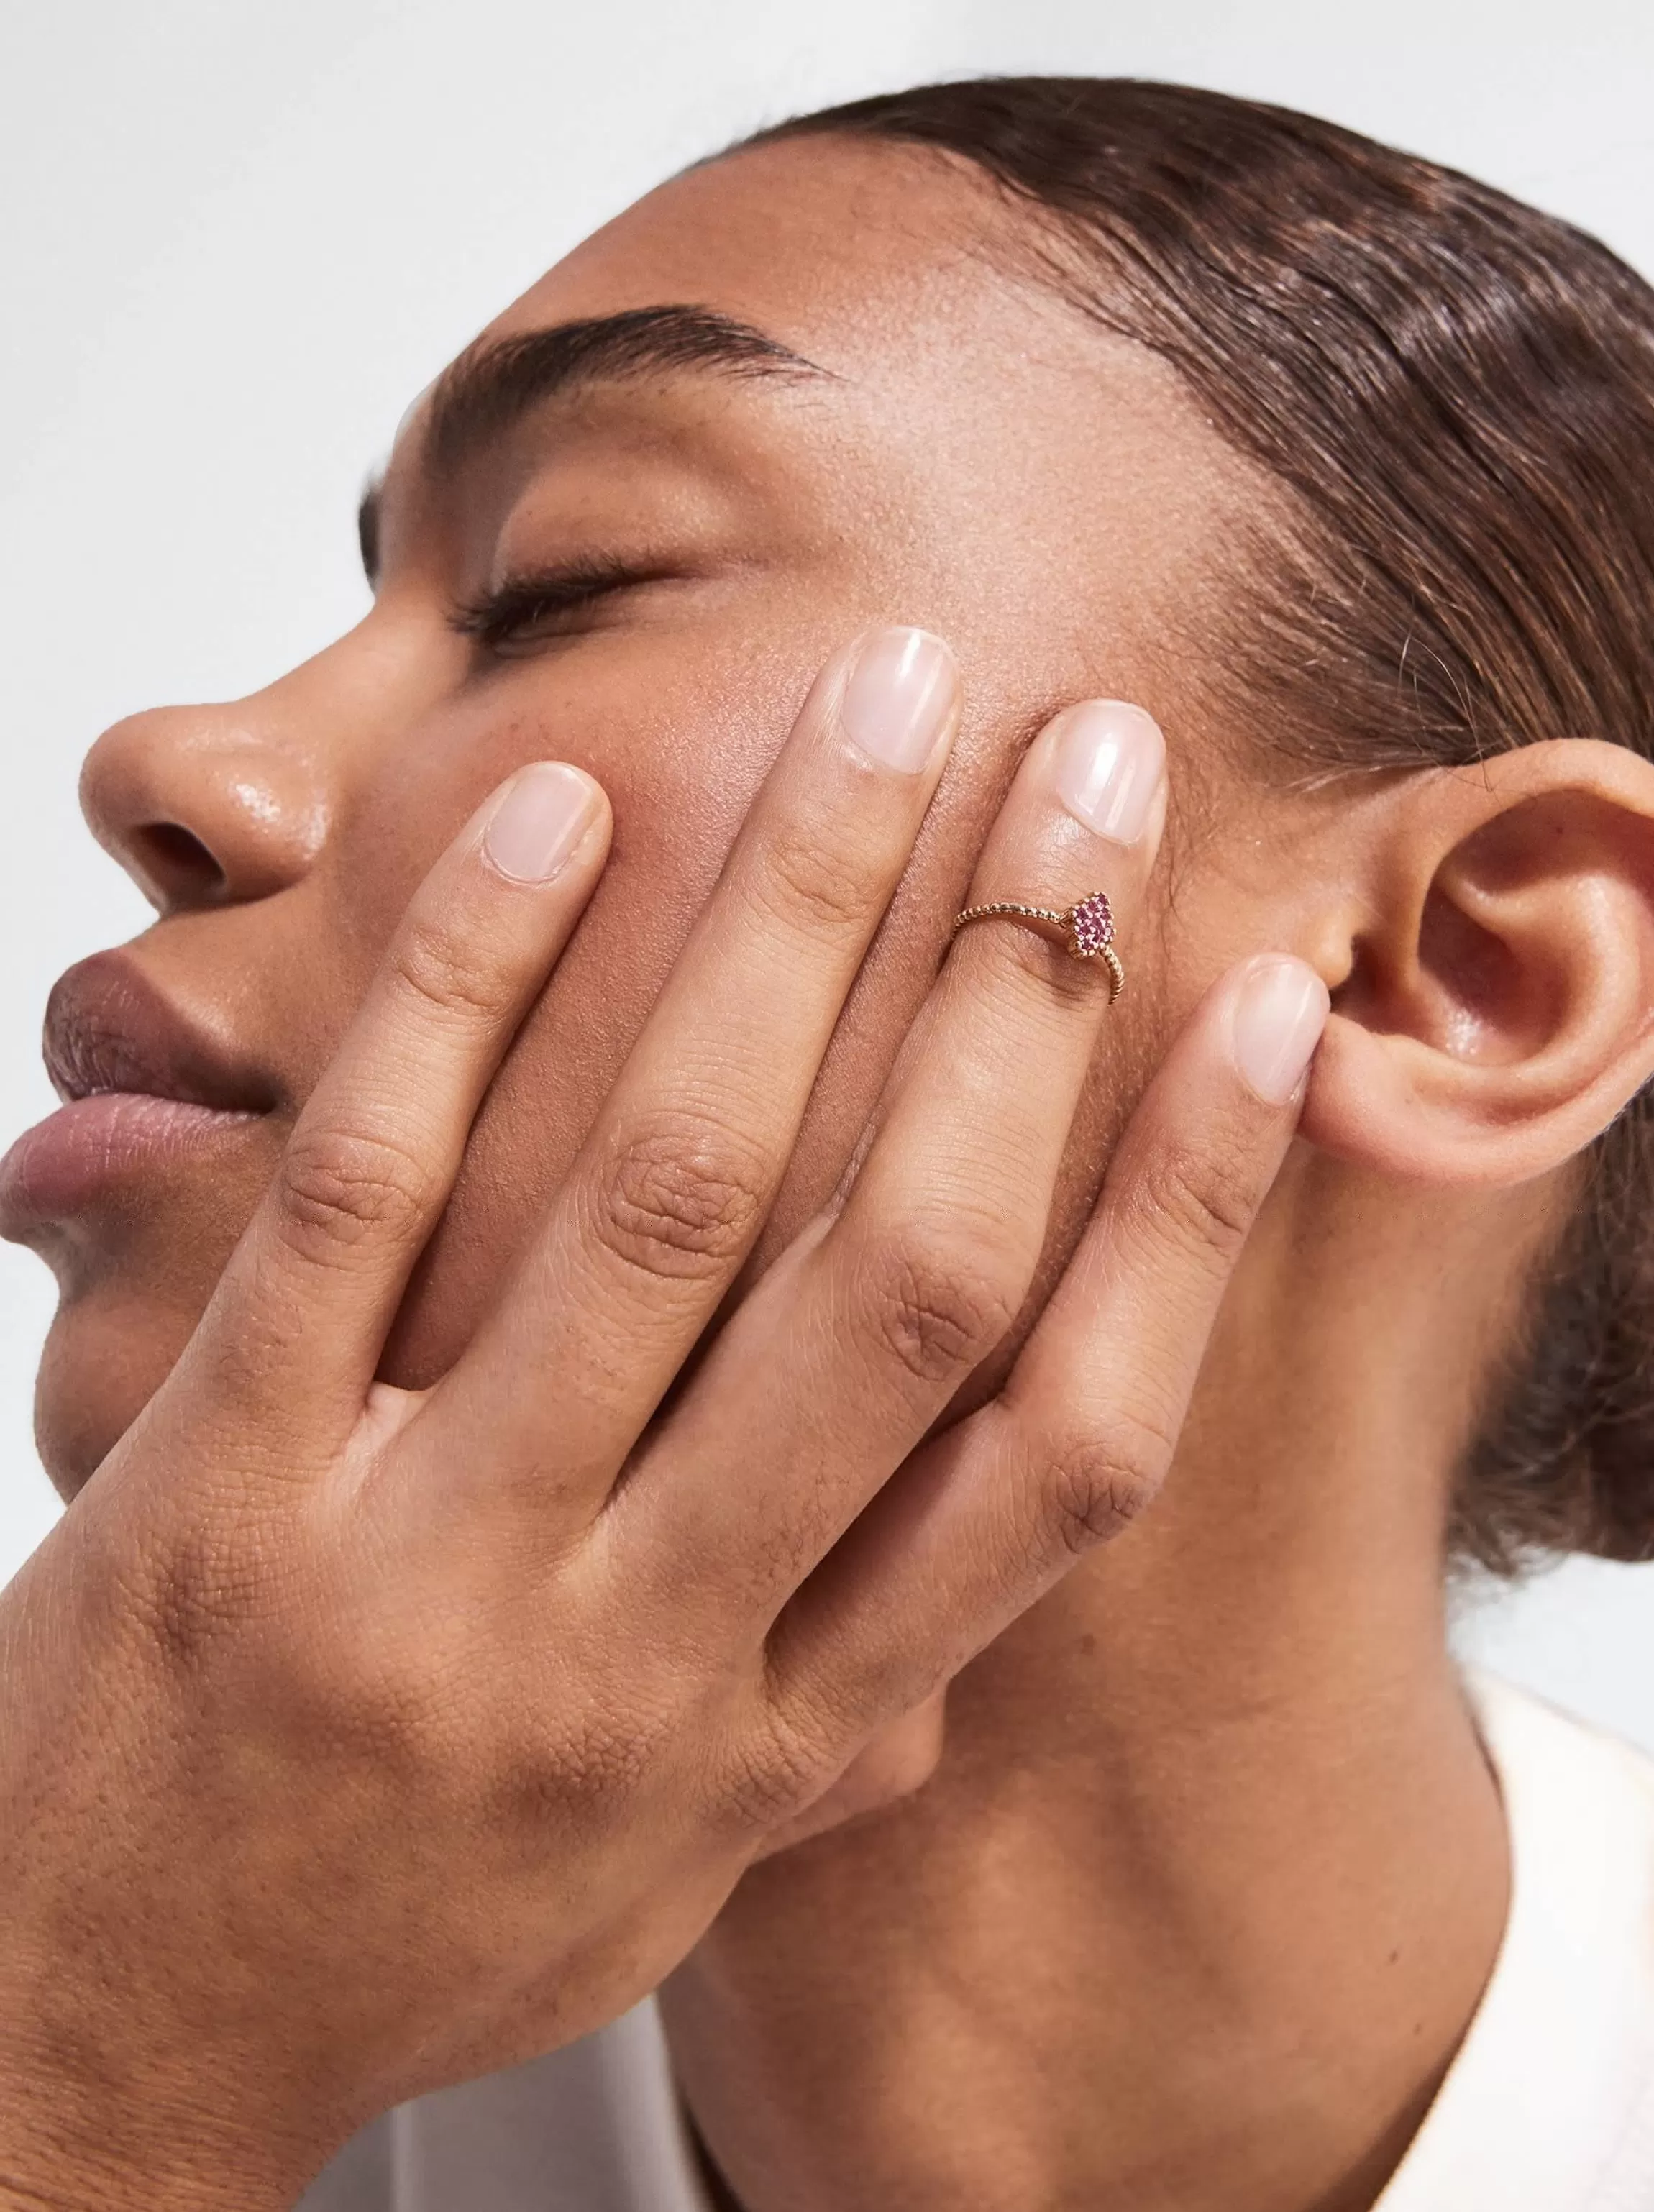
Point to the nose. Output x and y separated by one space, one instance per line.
201 806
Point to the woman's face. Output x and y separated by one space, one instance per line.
962 452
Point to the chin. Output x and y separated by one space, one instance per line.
137 1258
105 1355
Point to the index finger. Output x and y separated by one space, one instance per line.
293 1332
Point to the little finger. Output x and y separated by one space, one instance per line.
987 1517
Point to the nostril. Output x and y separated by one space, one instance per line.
177 861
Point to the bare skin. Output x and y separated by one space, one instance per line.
1211 1874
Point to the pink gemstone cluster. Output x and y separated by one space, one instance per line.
1091 926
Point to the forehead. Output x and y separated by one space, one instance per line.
859 257
902 271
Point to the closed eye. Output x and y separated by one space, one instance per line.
524 610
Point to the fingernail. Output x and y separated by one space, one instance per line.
1110 762
538 822
897 703
1280 1011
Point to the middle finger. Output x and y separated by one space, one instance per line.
853 1344
671 1188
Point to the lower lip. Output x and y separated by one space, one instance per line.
81 1153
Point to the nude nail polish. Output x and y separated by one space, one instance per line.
899 700
534 830
1110 760
1280 1010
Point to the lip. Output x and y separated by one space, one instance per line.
144 1091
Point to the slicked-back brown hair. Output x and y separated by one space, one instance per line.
1456 393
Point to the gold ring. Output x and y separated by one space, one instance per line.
1085 930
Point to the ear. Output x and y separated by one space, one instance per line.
1493 981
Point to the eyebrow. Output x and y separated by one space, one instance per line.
494 383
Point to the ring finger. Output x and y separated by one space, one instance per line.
856 1341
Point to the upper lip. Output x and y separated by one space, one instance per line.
107 1027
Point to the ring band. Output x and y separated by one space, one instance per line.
1085 930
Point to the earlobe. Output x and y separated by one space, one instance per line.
1496 1007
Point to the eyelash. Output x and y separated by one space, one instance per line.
499 618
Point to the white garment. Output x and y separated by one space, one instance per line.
1548 2106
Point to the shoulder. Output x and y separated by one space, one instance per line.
1549 2105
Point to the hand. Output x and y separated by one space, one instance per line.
361 1740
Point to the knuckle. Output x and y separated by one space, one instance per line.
193 1595
225 1571
433 965
809 878
1019 960
679 1198
364 1687
340 1185
574 1777
1095 1487
1202 1198
938 1301
777 1770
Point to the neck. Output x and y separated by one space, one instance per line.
1202 1897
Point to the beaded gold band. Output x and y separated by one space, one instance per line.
1085 930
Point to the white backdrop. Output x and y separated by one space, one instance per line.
234 241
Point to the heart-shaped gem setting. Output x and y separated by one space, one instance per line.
1091 927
